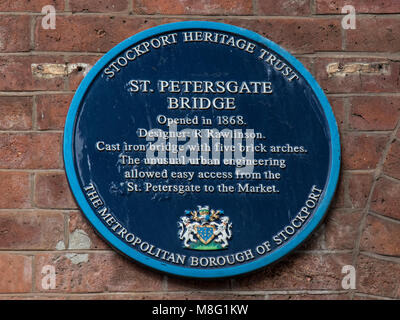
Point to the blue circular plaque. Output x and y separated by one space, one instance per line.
201 149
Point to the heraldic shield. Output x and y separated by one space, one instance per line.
205 229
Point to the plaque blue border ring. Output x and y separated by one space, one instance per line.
185 271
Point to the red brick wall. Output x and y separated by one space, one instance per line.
41 225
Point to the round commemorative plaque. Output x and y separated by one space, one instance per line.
201 149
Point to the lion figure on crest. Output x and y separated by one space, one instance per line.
186 234
223 231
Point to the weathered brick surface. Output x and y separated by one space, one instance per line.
361 6
15 273
51 111
30 151
30 5
385 198
380 75
362 151
79 225
284 7
204 296
374 34
391 166
169 296
374 113
32 297
193 7
381 236
177 284
52 191
33 230
14 33
294 33
96 272
342 229
338 199
299 271
101 32
15 190
359 70
15 113
104 32
360 185
79 67
338 109
17 74
342 296
378 277
98 5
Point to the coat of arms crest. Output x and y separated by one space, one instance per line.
211 228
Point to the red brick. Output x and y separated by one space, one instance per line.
15 273
15 113
89 33
294 33
338 199
359 188
362 151
381 236
384 76
78 223
109 296
391 167
341 229
205 296
96 272
303 296
15 190
378 277
52 111
179 284
189 7
30 5
284 8
33 230
16 74
52 191
385 198
14 33
374 113
338 109
32 297
374 34
82 65
298 272
30 150
98 5
361 6
103 33
113 296
361 296
168 296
